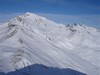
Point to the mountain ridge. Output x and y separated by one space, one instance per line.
32 39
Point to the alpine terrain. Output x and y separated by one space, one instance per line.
33 45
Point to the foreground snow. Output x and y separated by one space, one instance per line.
30 39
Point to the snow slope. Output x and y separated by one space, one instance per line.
31 39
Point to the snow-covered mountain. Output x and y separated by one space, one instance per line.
31 39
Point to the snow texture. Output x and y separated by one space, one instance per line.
30 39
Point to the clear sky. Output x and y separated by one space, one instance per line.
61 11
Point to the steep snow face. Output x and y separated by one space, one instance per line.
30 39
87 43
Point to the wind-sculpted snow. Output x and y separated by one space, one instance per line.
30 39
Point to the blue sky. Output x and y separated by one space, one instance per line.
61 11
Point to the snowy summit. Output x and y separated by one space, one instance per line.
33 45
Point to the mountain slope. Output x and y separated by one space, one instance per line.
30 39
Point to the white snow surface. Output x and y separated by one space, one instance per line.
31 39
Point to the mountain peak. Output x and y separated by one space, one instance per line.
29 14
32 39
32 16
27 19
